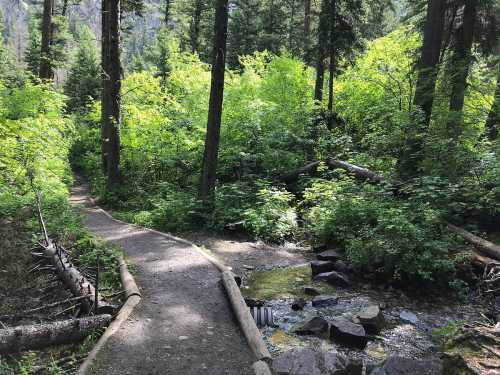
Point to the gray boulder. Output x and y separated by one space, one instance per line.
331 255
334 278
307 361
316 326
300 361
320 266
298 304
408 316
348 333
324 301
342 266
395 365
372 319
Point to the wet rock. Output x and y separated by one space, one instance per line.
316 326
334 278
396 365
297 362
307 361
298 304
348 333
372 319
324 301
408 316
332 255
320 266
252 302
311 291
318 248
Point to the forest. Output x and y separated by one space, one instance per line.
349 143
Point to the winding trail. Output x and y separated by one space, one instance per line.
184 324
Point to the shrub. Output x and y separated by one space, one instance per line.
380 233
272 218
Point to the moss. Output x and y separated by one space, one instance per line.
283 340
286 282
443 334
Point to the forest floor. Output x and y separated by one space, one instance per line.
184 323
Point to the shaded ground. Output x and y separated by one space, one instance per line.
184 324
245 255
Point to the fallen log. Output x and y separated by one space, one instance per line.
74 280
359 172
294 175
484 246
71 277
247 324
38 336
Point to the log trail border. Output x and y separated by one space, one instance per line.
230 281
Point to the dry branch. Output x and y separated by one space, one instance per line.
41 335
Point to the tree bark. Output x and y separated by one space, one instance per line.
294 175
195 26
210 156
307 32
409 161
46 71
321 51
74 280
104 92
493 121
487 248
461 61
168 4
111 92
331 46
39 336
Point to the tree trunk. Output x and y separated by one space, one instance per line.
111 92
74 280
409 161
195 26
46 71
321 51
291 26
485 247
104 92
307 32
461 61
39 336
331 46
493 120
209 167
168 4
64 8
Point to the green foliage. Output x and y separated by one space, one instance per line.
84 79
34 141
443 334
32 53
272 218
382 234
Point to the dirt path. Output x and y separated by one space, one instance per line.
184 324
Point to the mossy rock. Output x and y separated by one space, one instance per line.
288 282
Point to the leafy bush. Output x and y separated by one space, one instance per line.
272 218
381 234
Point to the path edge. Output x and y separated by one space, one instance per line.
133 299
252 334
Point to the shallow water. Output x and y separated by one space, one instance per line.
408 330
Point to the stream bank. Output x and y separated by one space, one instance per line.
280 279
